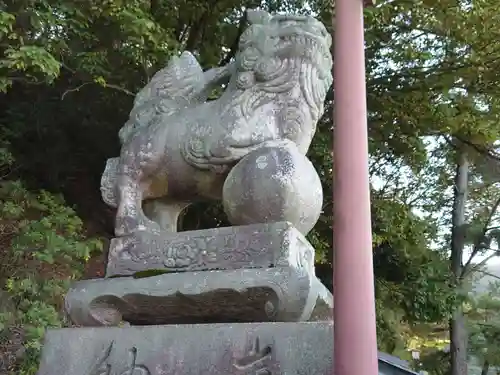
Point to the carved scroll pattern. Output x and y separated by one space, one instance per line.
197 251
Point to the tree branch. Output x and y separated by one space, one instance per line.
478 241
478 266
480 149
489 274
111 86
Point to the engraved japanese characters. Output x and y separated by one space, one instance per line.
208 349
255 361
178 148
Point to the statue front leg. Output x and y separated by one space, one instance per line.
130 216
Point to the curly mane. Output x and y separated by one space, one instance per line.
262 76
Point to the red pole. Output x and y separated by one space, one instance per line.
355 349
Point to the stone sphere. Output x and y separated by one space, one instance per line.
273 184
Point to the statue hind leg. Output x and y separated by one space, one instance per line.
164 212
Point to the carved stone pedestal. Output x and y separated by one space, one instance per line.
208 349
257 273
271 294
236 276
229 248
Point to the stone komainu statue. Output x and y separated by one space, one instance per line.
247 147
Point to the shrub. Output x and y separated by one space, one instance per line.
43 248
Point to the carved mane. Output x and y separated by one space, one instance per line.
277 55
176 86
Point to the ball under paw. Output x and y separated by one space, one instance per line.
274 184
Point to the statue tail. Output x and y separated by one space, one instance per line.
176 86
181 80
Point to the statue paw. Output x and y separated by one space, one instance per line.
126 226
147 225
122 226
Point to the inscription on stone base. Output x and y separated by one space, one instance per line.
239 349
257 361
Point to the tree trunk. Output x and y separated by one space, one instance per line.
195 34
486 368
458 343
458 332
241 28
234 47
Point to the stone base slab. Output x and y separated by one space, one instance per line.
208 349
224 296
248 246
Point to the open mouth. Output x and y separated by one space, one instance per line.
305 37
305 42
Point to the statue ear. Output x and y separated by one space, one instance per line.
258 17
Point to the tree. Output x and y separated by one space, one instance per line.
69 72
431 56
458 334
484 327
411 280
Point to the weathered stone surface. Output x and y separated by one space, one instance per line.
323 308
245 295
274 184
178 148
208 349
250 246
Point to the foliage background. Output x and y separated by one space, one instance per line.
68 73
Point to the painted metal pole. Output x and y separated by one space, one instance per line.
355 340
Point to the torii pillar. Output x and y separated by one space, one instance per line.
355 340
